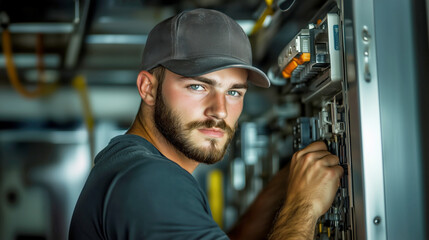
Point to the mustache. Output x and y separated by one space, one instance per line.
210 123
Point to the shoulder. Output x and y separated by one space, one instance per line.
158 198
126 146
154 172
156 177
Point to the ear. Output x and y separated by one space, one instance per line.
147 84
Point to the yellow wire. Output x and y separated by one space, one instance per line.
13 75
79 84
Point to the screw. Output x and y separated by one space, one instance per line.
365 34
377 220
366 52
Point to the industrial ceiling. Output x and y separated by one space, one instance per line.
55 40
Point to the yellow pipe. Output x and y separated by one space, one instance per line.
259 23
215 195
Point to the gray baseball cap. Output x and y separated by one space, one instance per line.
200 41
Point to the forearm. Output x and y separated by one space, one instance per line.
294 222
314 180
308 184
257 221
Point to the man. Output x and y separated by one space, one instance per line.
196 67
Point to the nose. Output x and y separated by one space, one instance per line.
217 106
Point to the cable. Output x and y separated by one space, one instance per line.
42 88
79 83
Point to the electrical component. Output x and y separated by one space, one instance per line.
329 125
311 61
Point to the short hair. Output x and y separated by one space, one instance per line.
159 73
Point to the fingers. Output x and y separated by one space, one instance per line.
339 171
322 158
313 147
314 175
315 161
329 160
314 152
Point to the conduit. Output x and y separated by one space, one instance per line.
260 22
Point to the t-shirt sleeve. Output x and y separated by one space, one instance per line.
158 200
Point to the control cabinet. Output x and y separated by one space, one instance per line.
348 79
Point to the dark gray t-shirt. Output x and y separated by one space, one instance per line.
134 192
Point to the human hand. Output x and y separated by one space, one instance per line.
313 179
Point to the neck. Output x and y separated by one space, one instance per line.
146 129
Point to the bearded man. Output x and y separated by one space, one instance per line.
195 73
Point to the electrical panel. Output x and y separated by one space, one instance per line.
311 63
329 125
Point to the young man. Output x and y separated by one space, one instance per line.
196 67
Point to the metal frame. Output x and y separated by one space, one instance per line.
383 72
364 118
400 57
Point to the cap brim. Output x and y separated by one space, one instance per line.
200 66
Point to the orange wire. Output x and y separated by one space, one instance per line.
11 68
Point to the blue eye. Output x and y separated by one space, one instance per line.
234 93
196 87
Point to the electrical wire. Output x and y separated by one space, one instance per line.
79 83
41 88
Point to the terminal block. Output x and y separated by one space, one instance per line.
311 61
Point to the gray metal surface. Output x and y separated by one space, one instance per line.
76 38
397 63
47 28
365 129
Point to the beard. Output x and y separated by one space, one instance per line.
169 124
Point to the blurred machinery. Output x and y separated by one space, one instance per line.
33 206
